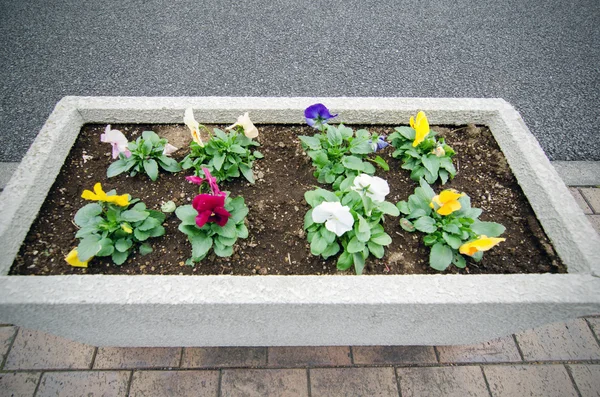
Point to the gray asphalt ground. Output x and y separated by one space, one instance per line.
543 56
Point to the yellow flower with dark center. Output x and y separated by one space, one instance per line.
99 195
483 243
421 126
126 228
447 201
74 261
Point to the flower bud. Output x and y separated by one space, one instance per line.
439 151
168 207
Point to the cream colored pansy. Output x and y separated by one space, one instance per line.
193 125
244 121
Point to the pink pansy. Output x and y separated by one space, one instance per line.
169 149
117 140
212 182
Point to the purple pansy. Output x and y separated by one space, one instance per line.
317 115
381 143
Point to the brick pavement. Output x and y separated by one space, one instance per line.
560 359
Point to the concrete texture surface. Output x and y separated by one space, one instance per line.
541 57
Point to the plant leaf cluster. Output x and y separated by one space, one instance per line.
220 238
147 155
367 236
445 234
339 153
226 155
111 230
430 159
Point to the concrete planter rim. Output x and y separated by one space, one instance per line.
329 296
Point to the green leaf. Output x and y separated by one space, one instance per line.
88 247
218 160
328 236
242 231
123 244
169 164
119 167
345 261
187 214
149 224
407 225
227 230
355 245
320 159
311 141
331 250
150 136
459 261
452 228
247 172
368 168
145 249
140 235
440 256
452 240
363 230
318 245
134 215
237 149
201 244
430 239
334 137
308 221
381 163
382 239
119 257
377 250
106 247
490 229
428 192
87 214
361 146
443 176
407 132
431 163
258 154
353 163
403 207
151 168
359 262
159 216
226 241
425 224
388 208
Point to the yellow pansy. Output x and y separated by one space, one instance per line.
99 195
126 228
74 261
421 126
193 125
447 201
483 243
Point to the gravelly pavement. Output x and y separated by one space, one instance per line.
541 56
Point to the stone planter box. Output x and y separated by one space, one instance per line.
297 310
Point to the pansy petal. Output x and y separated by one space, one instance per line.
449 195
202 218
449 208
195 179
74 261
221 216
323 211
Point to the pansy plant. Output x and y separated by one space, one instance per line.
349 222
113 225
421 152
214 220
451 226
226 155
146 155
337 152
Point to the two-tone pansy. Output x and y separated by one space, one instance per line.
117 140
317 115
193 125
446 202
483 243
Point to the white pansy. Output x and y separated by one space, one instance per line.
244 121
193 125
117 140
169 149
337 217
371 186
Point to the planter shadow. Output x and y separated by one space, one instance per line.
297 310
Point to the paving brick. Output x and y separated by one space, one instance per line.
560 341
18 384
84 383
335 382
393 355
174 383
587 379
494 351
595 221
6 336
309 356
38 350
580 200
137 357
592 196
595 324
442 381
223 357
529 380
264 383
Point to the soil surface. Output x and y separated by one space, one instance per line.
277 243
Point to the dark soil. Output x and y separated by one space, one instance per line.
277 244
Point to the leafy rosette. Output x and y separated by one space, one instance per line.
349 222
227 155
214 220
145 155
421 152
451 226
113 226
